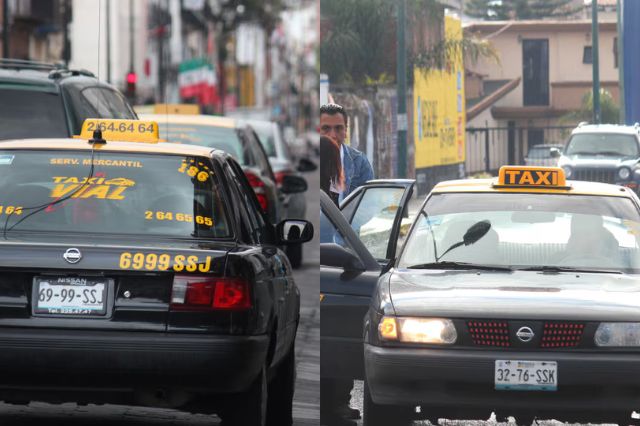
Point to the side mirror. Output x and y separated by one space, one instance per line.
306 165
332 254
294 231
292 184
477 231
554 152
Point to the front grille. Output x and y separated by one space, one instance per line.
561 335
595 175
502 333
489 333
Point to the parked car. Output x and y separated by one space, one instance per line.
49 101
283 164
540 155
242 143
602 153
143 274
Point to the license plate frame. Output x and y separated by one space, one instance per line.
103 290
537 377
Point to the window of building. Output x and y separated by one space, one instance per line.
587 55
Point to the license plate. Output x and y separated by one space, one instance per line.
526 375
70 295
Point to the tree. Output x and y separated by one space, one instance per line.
609 109
358 40
499 10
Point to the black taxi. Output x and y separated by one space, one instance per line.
518 295
143 273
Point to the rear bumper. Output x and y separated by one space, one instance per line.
447 378
59 360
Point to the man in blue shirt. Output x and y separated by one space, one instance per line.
355 165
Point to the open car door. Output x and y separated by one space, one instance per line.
356 242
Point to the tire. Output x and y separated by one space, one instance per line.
281 389
384 415
248 408
294 253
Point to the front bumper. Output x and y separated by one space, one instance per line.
605 382
60 360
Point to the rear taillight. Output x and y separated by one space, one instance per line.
258 187
209 293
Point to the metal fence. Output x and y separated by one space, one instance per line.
491 147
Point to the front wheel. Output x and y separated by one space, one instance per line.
248 408
384 415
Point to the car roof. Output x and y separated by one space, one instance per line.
606 128
207 120
116 146
573 188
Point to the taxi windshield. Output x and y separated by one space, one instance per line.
603 144
130 193
532 230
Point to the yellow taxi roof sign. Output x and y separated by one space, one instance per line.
121 130
189 109
532 177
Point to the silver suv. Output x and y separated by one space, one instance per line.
602 153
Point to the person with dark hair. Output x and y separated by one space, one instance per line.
356 166
342 169
331 176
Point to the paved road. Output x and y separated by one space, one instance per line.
306 399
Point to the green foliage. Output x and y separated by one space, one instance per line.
609 110
442 55
500 10
354 38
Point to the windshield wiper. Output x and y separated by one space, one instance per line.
547 268
459 265
581 153
617 154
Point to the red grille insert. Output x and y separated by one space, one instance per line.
489 333
561 335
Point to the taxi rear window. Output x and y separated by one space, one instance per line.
31 114
137 194
222 138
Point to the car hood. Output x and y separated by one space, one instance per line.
597 161
518 294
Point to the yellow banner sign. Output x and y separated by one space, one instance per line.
439 110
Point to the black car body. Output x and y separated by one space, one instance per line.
41 100
602 153
190 304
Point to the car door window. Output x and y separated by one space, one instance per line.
374 218
254 220
329 232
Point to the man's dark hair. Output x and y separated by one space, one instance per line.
333 109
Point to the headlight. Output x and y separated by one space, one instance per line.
567 171
418 330
618 334
624 173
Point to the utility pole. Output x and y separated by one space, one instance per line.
401 76
131 36
5 28
620 62
596 62
109 41
66 48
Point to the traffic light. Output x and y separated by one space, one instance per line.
132 79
